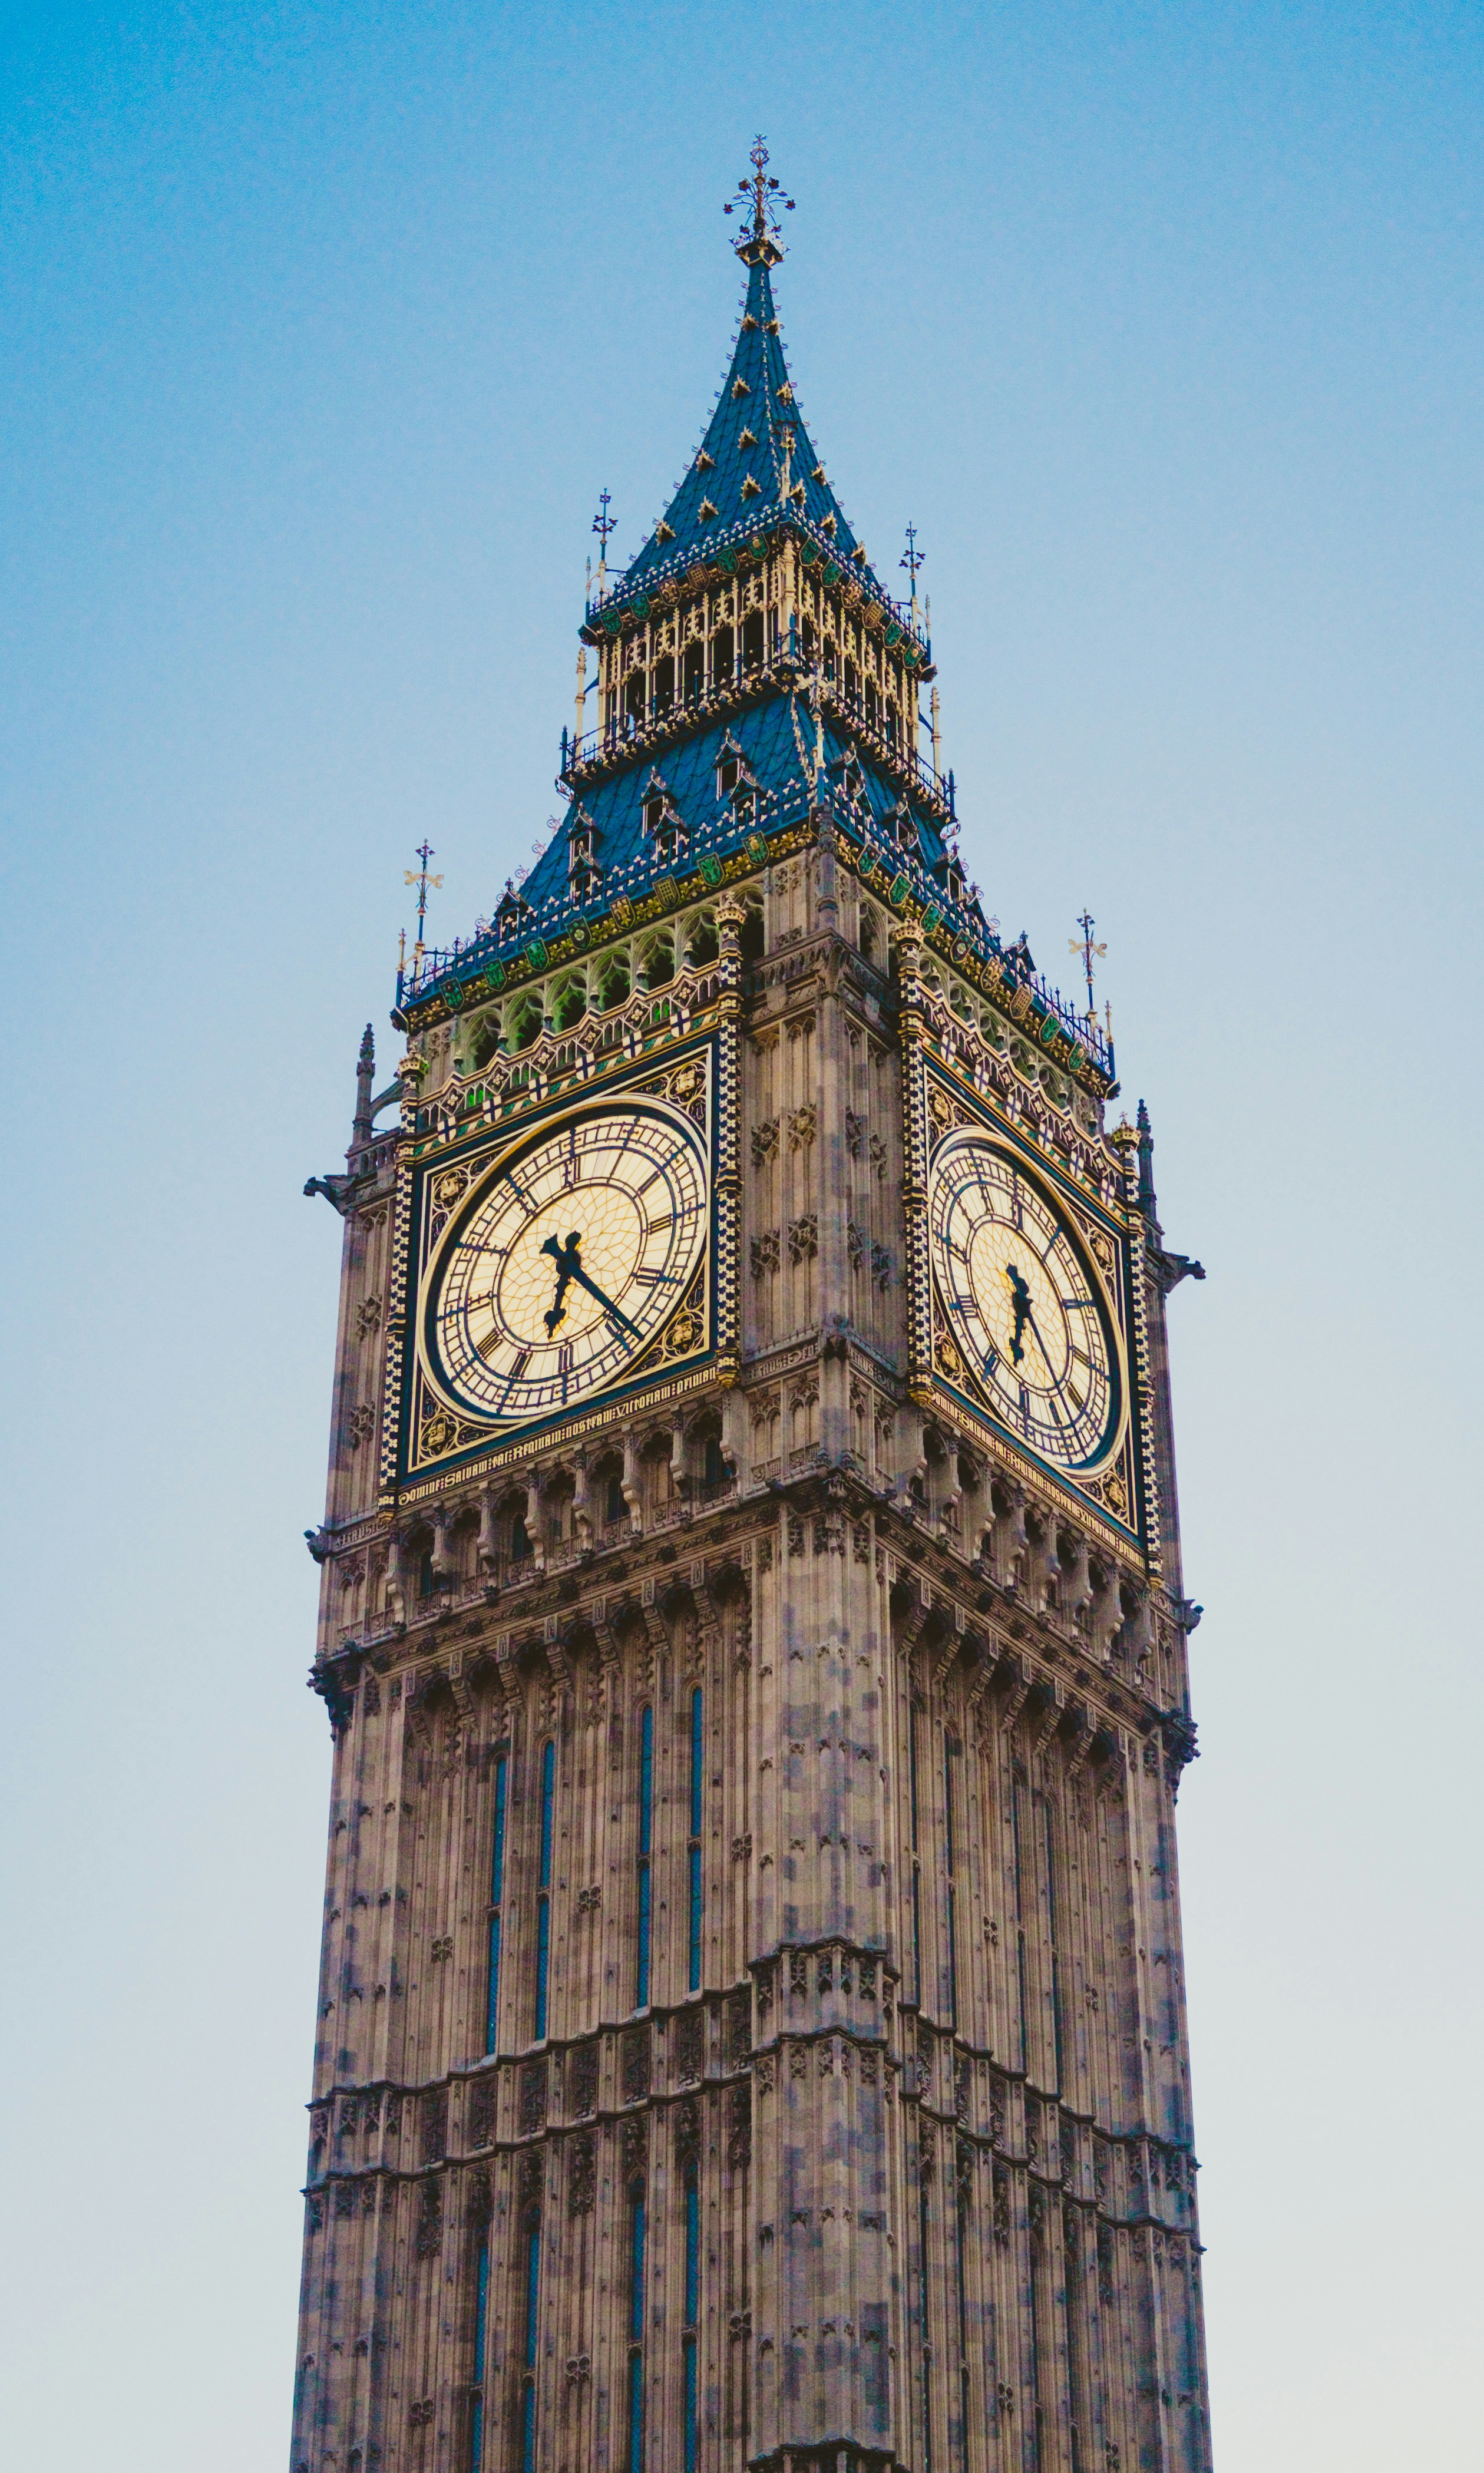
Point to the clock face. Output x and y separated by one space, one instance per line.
1028 1313
567 1263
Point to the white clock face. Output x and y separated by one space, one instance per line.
567 1263
1027 1310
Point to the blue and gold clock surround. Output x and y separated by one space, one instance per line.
561 1266
1030 1300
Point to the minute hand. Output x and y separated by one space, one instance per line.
606 1303
1041 1343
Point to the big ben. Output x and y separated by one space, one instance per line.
751 2022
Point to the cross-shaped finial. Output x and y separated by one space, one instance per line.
603 523
421 878
761 240
1088 953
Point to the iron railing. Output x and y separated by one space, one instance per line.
719 549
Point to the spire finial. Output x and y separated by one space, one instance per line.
604 525
759 244
912 561
421 878
1087 953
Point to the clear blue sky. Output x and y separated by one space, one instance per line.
323 328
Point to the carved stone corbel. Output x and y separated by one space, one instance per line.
986 1668
396 1597
1020 1687
1078 1578
630 1484
945 1659
582 1507
487 1549
507 1677
1051 1718
442 1561
1083 1738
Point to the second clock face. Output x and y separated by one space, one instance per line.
1027 1310
567 1263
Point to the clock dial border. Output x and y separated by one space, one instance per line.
1117 1456
440 1427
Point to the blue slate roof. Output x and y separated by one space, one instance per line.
755 403
776 739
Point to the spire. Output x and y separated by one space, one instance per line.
756 460
759 244
1147 1199
365 1074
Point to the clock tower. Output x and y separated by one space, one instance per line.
752 2022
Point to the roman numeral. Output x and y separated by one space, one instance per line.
522 1361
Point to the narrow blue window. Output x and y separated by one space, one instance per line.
697 1756
533 2314
917 1893
692 2310
544 1901
948 1846
646 1829
476 2409
927 2348
637 2337
496 1897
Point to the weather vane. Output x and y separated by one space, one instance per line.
912 561
1090 954
761 191
421 878
604 525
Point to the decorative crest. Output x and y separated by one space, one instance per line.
421 878
912 561
604 525
759 244
1087 953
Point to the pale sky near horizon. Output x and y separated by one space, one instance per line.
322 327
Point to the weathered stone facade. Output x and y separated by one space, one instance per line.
795 1756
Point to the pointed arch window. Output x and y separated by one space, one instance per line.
950 1749
476 2395
917 1864
733 770
496 1904
694 1850
544 1889
645 1856
636 2236
693 2314
533 2314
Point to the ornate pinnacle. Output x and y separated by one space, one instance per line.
364 1074
759 244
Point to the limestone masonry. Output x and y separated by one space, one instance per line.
751 2017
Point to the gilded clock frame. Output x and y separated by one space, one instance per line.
1116 1483
429 1440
